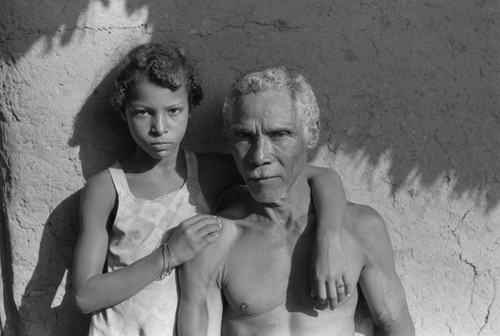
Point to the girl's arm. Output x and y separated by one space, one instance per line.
330 272
94 289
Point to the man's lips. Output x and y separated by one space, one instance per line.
263 179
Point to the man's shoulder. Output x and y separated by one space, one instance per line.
214 254
363 216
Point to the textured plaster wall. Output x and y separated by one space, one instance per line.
410 118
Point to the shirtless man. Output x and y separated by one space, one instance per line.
254 280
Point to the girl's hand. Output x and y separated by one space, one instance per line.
330 272
192 235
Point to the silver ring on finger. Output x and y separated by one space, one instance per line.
339 286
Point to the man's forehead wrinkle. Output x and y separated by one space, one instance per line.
264 124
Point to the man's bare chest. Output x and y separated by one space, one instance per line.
266 271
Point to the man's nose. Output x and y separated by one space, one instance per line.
261 152
159 124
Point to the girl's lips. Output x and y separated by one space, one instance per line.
161 145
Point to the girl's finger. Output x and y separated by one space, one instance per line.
322 291
348 286
332 295
192 220
340 291
209 239
201 222
314 286
209 229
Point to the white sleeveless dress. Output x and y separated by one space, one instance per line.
138 230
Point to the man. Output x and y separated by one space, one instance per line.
254 280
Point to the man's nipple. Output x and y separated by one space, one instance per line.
243 307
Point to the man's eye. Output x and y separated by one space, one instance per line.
241 135
280 134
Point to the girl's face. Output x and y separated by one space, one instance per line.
157 119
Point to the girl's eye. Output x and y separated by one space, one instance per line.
140 113
175 110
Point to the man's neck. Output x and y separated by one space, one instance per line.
293 205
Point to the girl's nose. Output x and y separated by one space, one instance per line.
159 125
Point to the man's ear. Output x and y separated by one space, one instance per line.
313 136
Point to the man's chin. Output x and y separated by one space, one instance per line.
266 196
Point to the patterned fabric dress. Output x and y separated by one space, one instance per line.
138 230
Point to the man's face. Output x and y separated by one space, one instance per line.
268 143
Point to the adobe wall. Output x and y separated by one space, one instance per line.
410 119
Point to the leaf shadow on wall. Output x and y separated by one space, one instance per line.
453 139
455 144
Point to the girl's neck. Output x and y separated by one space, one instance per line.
140 162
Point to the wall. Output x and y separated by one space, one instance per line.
410 114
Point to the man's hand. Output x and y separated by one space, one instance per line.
330 277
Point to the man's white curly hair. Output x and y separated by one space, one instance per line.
277 78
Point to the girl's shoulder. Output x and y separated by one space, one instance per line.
100 186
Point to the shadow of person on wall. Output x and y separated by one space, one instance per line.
46 307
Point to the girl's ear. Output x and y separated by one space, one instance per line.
123 114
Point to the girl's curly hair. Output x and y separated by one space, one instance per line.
161 65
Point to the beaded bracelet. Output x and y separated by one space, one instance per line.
167 264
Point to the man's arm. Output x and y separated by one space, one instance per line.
378 280
200 302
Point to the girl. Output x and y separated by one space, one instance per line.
130 211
